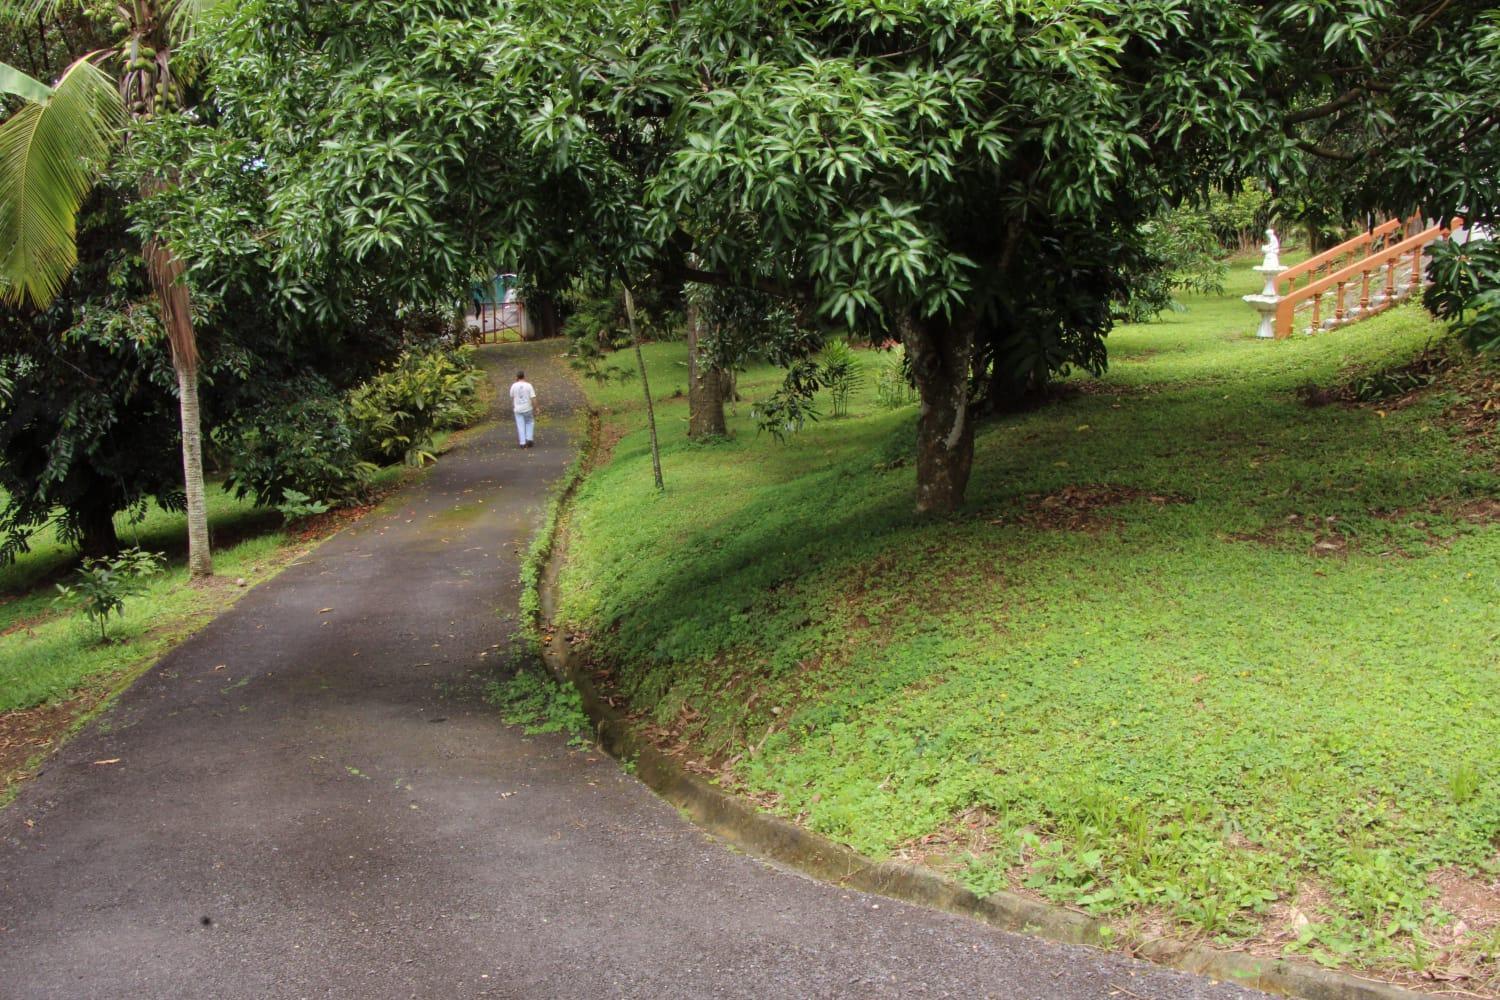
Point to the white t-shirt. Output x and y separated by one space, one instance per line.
521 395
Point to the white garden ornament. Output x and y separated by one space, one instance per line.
1265 302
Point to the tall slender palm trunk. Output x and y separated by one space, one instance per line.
145 90
176 315
200 558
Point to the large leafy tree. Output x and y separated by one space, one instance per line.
973 176
55 148
91 392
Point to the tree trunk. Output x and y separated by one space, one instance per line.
141 87
706 387
200 559
640 360
96 530
541 310
940 353
172 296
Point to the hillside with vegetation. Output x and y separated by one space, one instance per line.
1212 648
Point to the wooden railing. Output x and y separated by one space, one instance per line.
1367 286
1347 252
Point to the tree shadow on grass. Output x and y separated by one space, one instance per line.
1241 464
42 569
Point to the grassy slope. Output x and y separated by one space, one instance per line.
1171 710
49 652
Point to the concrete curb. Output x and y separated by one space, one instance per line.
775 839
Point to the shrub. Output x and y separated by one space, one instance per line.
1189 258
893 388
839 372
790 407
296 505
396 413
1239 220
103 584
1466 291
597 323
303 445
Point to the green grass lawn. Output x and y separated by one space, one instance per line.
1195 654
26 585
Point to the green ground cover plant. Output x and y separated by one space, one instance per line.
534 700
101 585
1213 658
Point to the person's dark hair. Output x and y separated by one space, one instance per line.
520 376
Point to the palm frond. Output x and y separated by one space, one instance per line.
26 11
184 16
13 81
52 153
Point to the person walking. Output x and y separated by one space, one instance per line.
523 404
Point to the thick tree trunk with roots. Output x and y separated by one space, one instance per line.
940 352
541 311
96 531
706 388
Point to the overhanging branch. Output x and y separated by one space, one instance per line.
723 279
1329 153
1324 110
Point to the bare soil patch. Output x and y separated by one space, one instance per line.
971 833
1288 917
1078 507
28 733
1467 958
26 624
1477 414
1485 510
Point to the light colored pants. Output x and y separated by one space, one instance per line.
525 427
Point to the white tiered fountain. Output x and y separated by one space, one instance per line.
1265 303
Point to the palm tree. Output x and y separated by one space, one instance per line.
55 148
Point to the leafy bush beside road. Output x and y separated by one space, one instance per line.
306 444
396 413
